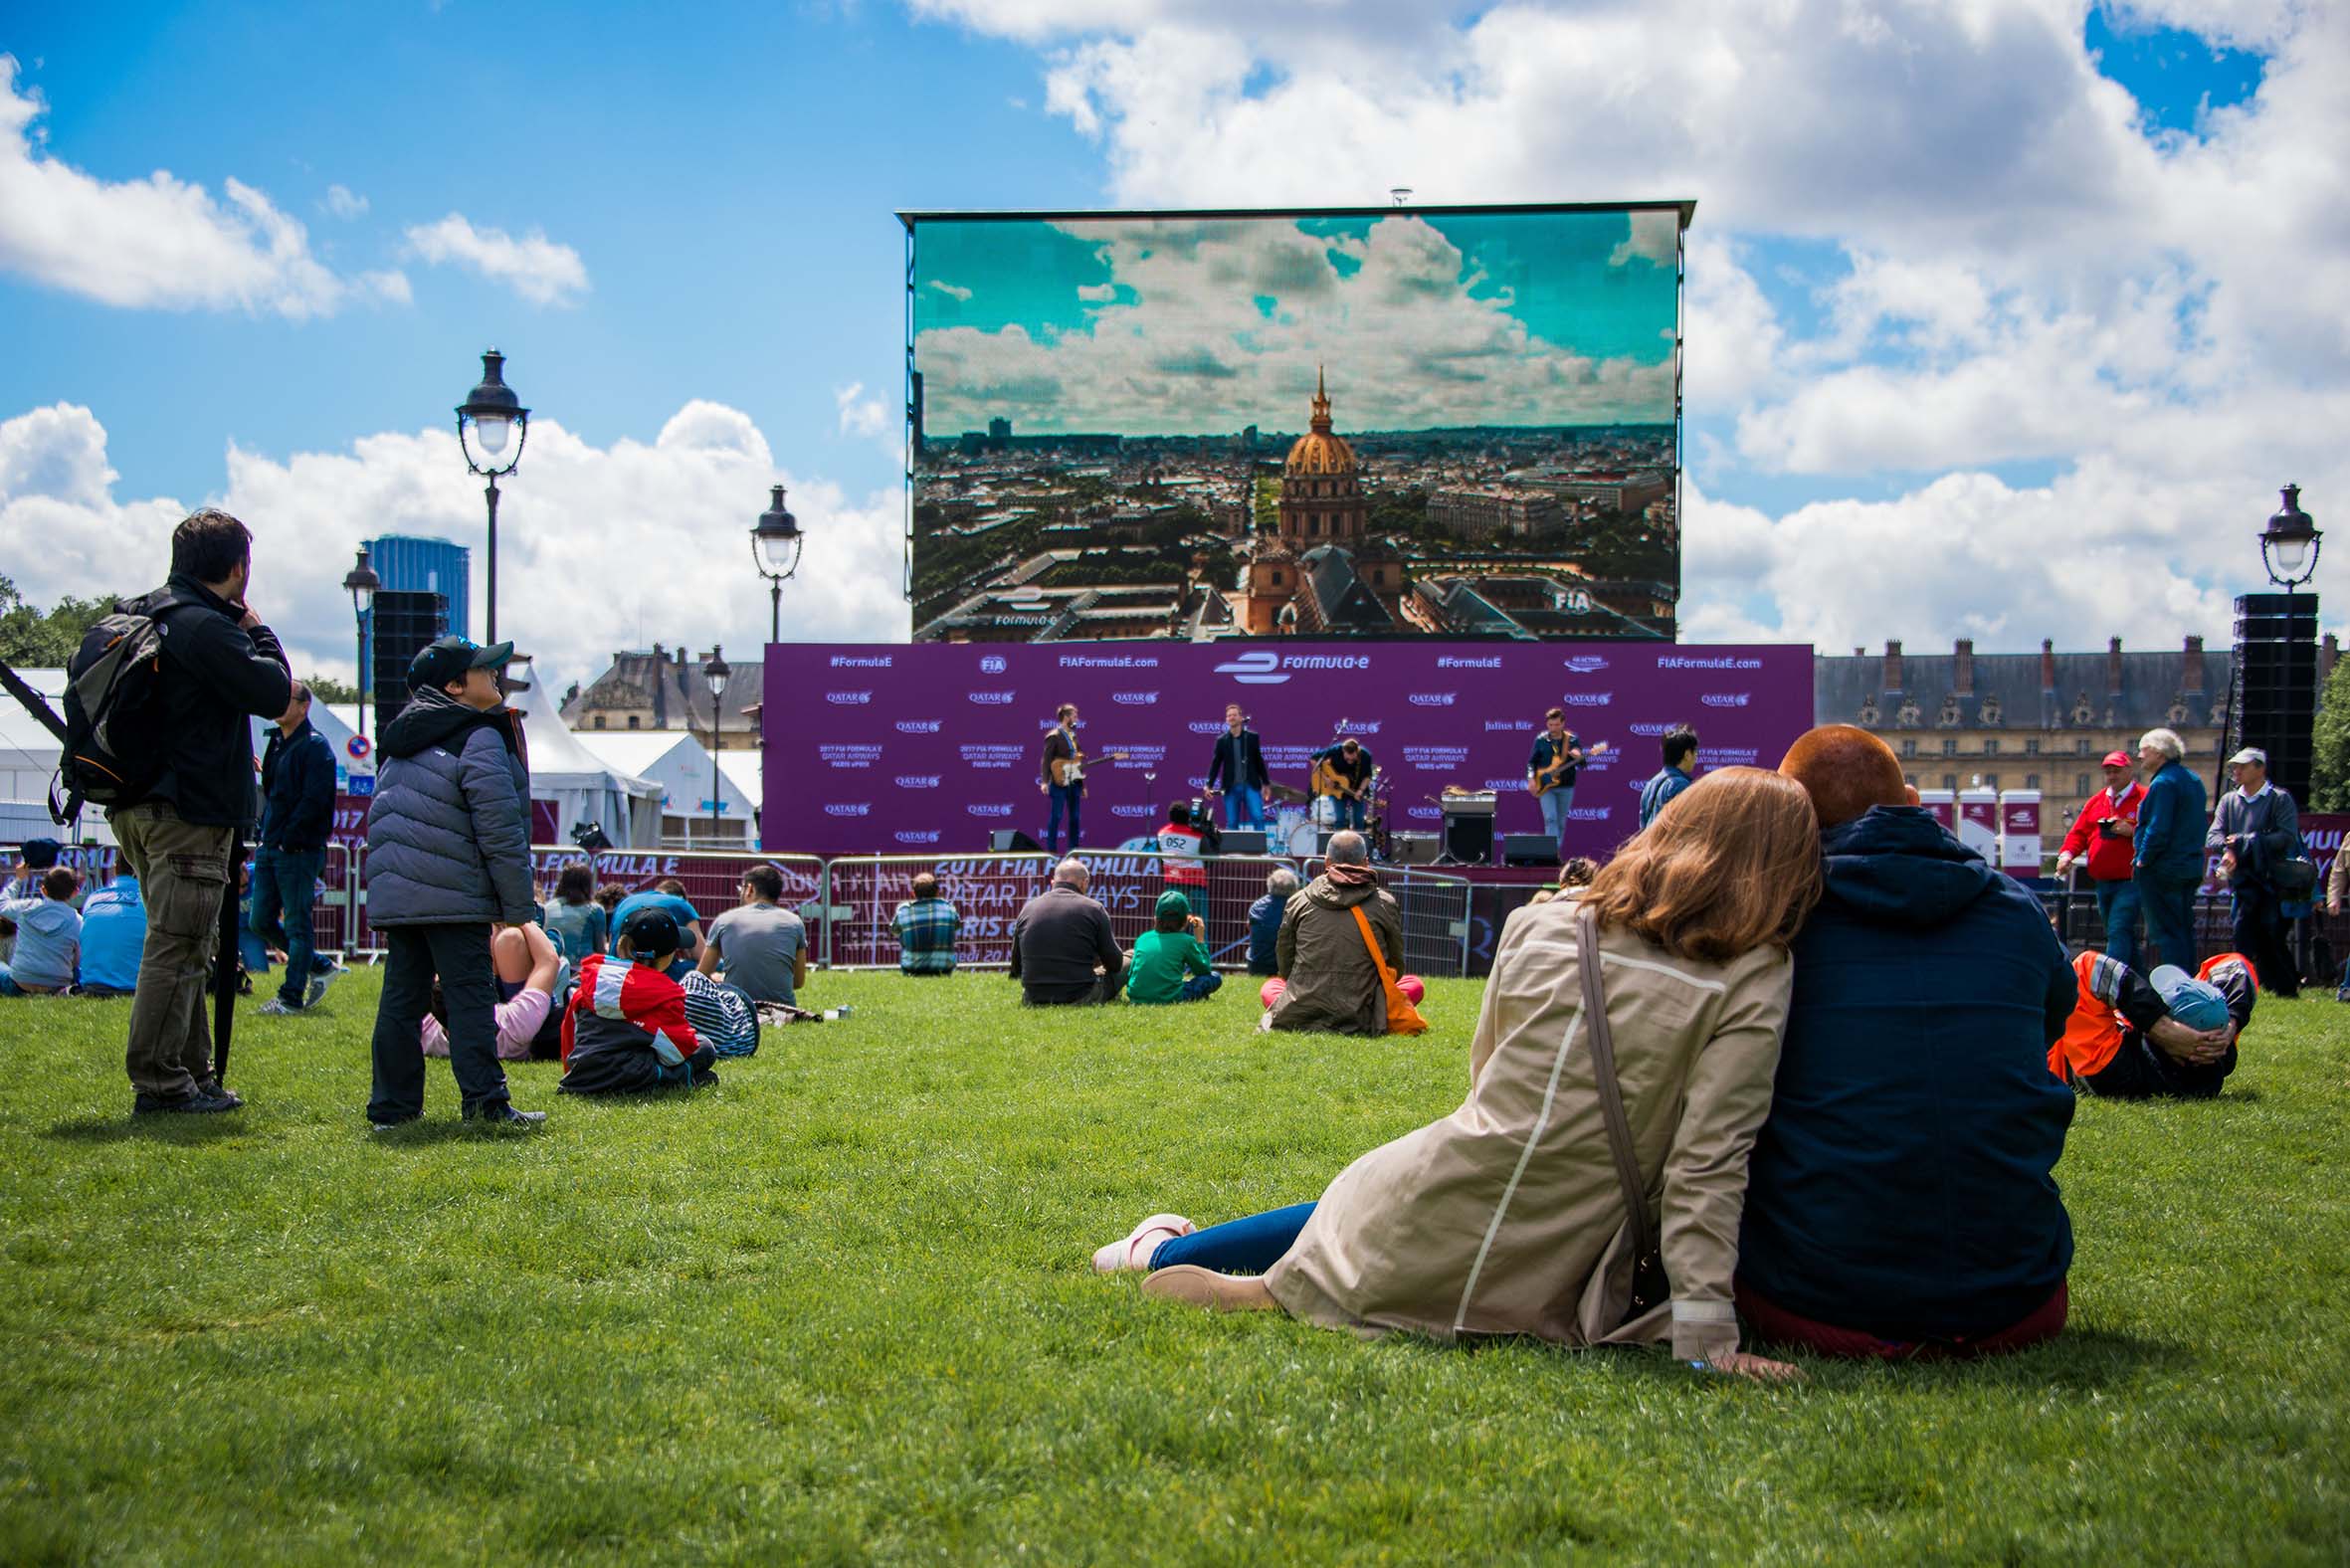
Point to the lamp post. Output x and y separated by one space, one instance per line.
2290 542
716 674
494 416
775 549
362 582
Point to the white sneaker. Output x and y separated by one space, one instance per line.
1133 1252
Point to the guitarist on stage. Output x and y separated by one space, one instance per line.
1340 772
1557 758
1060 760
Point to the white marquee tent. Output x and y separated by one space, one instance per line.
584 786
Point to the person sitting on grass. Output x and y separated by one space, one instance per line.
576 922
48 933
521 1017
626 1030
2168 1035
1063 951
113 932
763 945
1574 875
926 926
1171 960
667 894
1264 919
1511 1216
1325 977
608 897
1900 1199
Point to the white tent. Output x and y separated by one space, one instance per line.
681 764
28 751
583 785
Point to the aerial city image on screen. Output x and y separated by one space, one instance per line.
1377 424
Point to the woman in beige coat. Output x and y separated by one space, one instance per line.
1507 1217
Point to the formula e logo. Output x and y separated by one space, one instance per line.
1431 698
919 780
848 698
848 809
1256 668
1585 663
1134 698
918 726
918 836
1724 700
992 698
992 665
989 811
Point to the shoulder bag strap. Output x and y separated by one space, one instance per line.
1611 1093
1378 959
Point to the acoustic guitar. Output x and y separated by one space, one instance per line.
1327 780
1547 779
1071 770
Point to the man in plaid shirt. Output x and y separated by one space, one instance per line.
926 926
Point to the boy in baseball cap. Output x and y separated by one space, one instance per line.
626 1029
2170 1034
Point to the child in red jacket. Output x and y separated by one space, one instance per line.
626 1027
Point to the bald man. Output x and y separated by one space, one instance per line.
1900 1197
1063 952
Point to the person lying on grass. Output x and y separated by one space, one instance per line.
1509 1217
1171 962
2168 1035
626 1030
520 1016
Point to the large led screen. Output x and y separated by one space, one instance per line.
1376 423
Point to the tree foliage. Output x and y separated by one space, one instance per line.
2329 757
36 639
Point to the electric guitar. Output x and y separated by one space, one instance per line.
1547 779
1071 770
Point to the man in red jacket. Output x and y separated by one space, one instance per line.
2102 835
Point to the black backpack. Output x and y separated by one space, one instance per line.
116 739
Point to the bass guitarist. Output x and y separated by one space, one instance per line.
1551 769
1343 772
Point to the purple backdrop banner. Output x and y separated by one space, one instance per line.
906 748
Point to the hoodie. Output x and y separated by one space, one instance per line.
448 831
1902 1185
48 941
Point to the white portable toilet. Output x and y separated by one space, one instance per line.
1943 805
1978 821
2019 832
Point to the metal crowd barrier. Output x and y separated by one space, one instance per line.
331 912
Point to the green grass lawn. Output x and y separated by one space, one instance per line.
839 1309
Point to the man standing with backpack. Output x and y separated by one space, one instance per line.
217 664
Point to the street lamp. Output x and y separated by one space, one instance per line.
362 582
494 416
775 549
2290 542
716 674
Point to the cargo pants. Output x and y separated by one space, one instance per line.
183 875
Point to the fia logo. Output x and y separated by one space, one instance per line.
992 665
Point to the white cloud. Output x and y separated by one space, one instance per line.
951 291
534 265
862 415
580 565
343 203
159 243
1097 294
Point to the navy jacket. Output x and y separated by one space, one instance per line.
2171 823
214 674
1902 1184
1237 763
297 790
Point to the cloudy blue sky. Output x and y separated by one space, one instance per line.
2004 318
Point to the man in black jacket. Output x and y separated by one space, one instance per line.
1238 769
1063 952
298 811
220 664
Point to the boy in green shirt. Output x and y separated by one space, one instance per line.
1171 962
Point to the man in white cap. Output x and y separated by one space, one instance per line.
2100 835
2258 829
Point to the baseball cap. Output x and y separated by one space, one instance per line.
651 932
447 660
2250 755
40 854
2118 759
1173 902
2196 1003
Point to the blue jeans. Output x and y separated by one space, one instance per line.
1351 813
2117 903
1248 1245
8 985
1555 806
2169 903
286 883
1067 797
1244 807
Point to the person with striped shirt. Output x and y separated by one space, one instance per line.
927 928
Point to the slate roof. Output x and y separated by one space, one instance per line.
2008 691
672 684
1345 601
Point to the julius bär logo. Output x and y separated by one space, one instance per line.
1134 698
918 726
1585 663
992 698
847 808
992 665
1431 698
1724 700
988 811
848 698
917 834
918 780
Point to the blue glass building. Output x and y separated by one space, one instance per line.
406 563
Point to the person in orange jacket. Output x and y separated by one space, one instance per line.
2167 1035
2102 835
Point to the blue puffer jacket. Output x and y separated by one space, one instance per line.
1902 1184
447 835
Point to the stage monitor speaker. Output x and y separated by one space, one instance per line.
399 627
1243 840
1528 849
1470 840
1414 848
1011 841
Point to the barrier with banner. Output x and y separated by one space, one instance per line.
1435 911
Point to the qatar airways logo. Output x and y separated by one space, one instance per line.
848 698
1587 699
1134 698
989 811
1585 663
1652 730
992 698
1431 698
992 665
847 808
918 780
1266 668
917 834
1724 699
1207 726
918 726
1150 812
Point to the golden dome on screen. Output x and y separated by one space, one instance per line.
1317 451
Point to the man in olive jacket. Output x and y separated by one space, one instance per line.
1330 982
448 855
